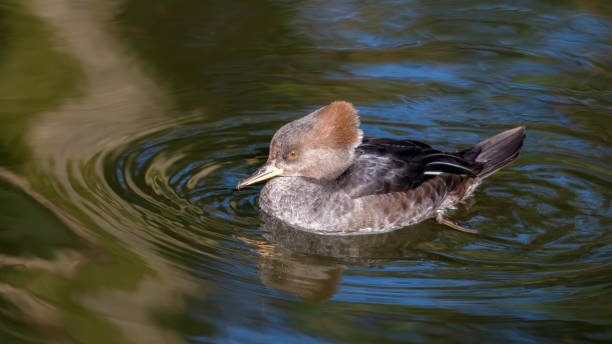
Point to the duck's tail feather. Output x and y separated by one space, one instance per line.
497 151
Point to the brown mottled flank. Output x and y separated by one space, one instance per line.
342 183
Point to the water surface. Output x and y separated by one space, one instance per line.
126 124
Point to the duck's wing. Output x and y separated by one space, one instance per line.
387 165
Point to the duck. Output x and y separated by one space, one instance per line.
324 176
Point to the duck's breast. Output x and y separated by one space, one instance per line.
306 204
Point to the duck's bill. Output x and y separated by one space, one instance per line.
265 172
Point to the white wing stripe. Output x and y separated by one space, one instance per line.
449 164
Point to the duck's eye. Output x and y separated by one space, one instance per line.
293 154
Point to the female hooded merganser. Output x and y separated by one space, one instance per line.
332 180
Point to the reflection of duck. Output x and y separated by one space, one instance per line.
310 266
309 278
330 180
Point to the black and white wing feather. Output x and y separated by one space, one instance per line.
387 165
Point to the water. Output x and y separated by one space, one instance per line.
125 125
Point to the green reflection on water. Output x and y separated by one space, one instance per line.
29 84
48 268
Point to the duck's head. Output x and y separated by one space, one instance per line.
320 145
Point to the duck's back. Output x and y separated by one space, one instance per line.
385 166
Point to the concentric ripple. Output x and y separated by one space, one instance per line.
183 189
542 224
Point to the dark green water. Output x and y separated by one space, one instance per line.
125 125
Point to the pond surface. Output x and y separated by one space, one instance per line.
126 124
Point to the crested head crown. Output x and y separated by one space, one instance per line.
337 126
